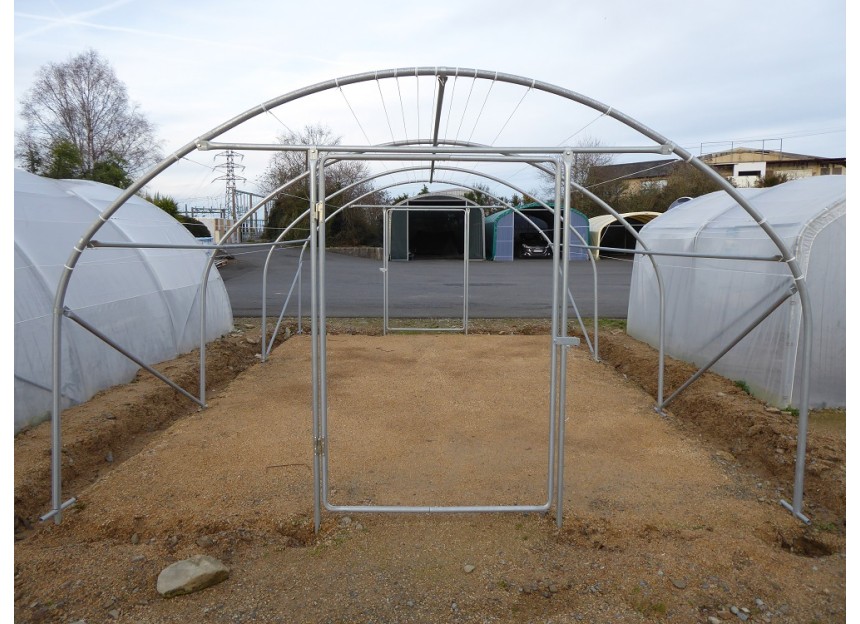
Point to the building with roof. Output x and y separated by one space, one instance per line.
742 166
433 225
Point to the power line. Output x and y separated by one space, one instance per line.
230 166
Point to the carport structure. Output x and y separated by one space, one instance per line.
433 227
611 234
435 151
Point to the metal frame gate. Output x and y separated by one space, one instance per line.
386 250
560 344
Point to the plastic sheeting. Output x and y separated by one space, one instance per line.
146 300
709 302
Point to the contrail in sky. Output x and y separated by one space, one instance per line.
79 20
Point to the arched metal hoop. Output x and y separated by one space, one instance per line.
662 145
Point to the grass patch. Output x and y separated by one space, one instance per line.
608 323
646 607
740 383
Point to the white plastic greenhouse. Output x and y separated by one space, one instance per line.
709 302
145 300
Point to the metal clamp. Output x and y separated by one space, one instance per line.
55 512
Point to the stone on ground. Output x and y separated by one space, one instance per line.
191 575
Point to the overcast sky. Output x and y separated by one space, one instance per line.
767 72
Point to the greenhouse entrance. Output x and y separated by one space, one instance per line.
434 228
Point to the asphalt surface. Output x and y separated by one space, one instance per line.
424 288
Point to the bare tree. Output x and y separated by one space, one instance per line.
82 103
351 226
582 173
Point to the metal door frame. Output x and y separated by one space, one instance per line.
386 250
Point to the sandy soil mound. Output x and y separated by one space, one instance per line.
670 518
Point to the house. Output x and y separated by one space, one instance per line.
742 166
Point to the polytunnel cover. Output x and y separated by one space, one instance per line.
709 302
146 300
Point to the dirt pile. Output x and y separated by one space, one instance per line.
116 423
666 518
759 438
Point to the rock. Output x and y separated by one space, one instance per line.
714 620
110 416
734 610
679 583
204 541
725 456
191 575
114 613
772 410
138 558
743 616
468 568
345 521
109 457
135 539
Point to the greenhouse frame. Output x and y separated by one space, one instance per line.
430 151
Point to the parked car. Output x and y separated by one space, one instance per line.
533 245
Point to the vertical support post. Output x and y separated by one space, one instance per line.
312 169
203 291
553 375
796 507
661 354
263 349
56 430
592 258
466 217
323 361
299 318
567 161
386 234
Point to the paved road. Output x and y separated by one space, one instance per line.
425 288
